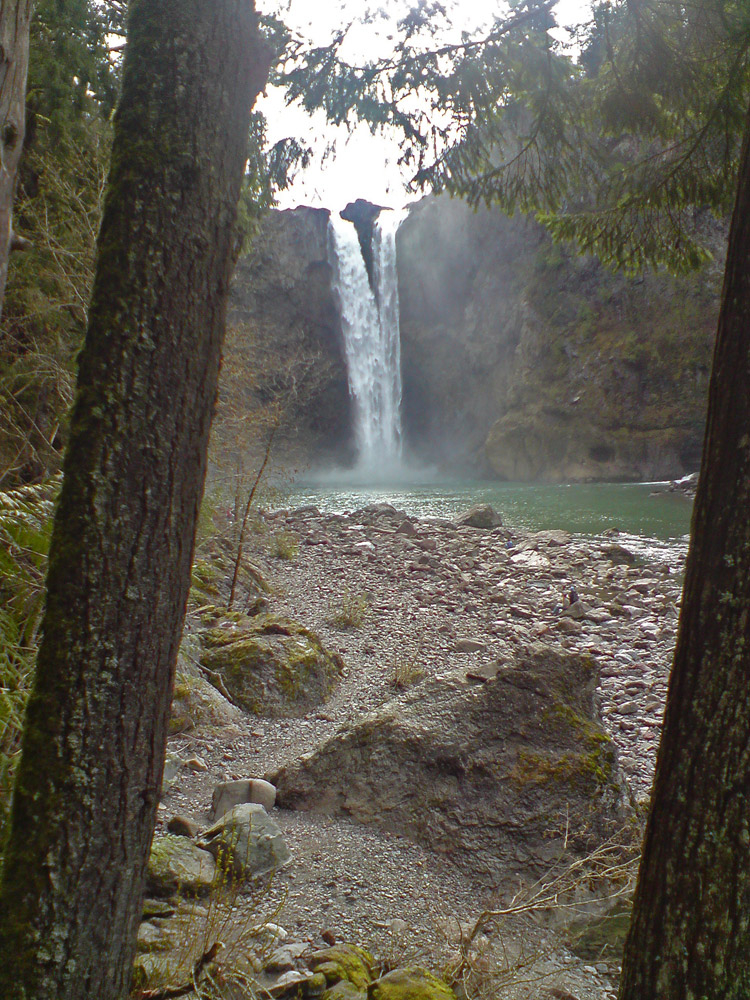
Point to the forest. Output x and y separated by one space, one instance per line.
134 173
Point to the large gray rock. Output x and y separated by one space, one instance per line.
228 794
176 864
247 840
517 771
481 515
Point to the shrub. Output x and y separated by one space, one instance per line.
25 523
348 611
284 545
407 670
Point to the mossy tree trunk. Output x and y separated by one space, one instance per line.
89 779
690 932
15 19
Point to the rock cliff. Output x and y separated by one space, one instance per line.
520 361
283 367
528 363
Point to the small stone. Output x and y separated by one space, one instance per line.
184 826
628 708
484 673
152 938
575 611
196 764
289 982
157 908
470 646
529 559
344 990
228 794
316 985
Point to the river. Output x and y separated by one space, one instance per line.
648 517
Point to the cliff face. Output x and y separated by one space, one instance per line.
527 363
283 366
519 360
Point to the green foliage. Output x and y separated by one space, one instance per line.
218 947
614 151
406 670
284 545
46 303
25 524
349 610
71 91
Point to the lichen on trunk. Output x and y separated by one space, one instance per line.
88 782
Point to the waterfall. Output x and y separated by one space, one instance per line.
372 346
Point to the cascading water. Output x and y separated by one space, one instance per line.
372 344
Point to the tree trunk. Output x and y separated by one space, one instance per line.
90 775
690 932
15 19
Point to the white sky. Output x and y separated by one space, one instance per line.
363 165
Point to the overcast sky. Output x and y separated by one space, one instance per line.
363 166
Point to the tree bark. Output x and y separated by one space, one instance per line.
15 20
90 775
690 933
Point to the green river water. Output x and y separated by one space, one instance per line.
648 516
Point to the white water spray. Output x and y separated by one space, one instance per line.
372 342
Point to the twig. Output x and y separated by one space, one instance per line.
246 515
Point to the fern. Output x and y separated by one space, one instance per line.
25 526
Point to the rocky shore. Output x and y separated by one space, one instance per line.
410 608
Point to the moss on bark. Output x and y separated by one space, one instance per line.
119 570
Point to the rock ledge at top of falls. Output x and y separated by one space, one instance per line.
363 216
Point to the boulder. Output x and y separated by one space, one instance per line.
270 665
344 962
228 794
619 555
176 864
410 984
482 515
196 703
247 841
344 990
515 771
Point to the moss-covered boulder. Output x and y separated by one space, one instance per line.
410 984
515 773
270 665
197 704
177 865
344 990
344 963
247 841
